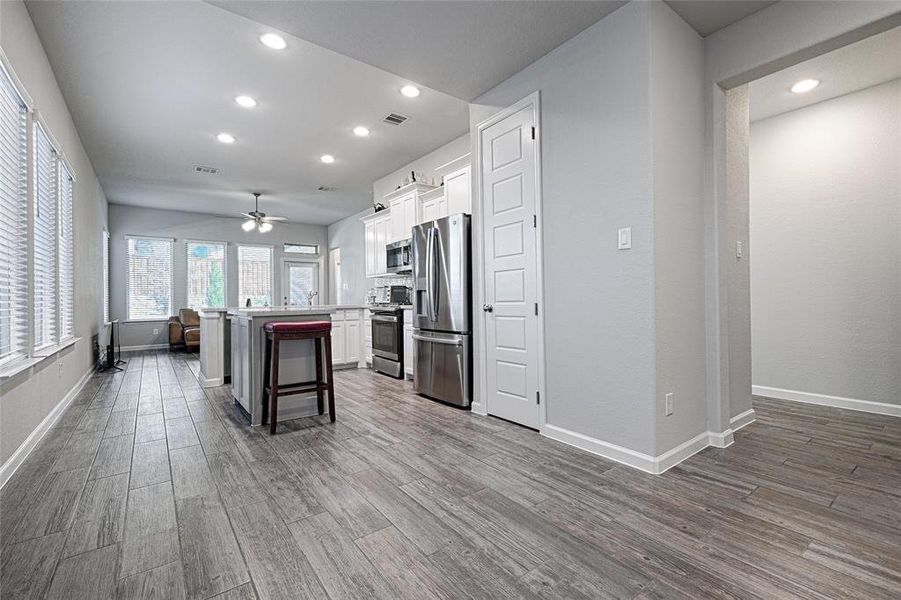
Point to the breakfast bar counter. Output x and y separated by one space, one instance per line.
297 359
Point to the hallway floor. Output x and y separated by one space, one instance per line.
151 487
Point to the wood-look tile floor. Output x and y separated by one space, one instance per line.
150 487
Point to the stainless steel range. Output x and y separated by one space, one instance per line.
388 340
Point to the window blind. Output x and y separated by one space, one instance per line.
44 259
149 287
13 221
206 274
105 258
66 255
255 275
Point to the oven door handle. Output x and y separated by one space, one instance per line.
446 342
385 319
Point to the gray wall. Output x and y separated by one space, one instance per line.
28 398
776 37
677 121
601 151
130 220
348 234
826 232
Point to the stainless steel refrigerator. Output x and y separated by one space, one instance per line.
442 310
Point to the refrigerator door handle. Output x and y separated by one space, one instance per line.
447 342
431 280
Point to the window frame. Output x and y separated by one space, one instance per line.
23 354
38 124
271 249
63 168
300 244
224 271
171 241
105 273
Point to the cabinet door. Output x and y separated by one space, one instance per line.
429 211
441 209
338 343
397 220
381 240
352 341
369 236
457 192
409 216
236 359
367 335
408 350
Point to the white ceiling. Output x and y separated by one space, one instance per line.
866 63
150 84
709 16
461 48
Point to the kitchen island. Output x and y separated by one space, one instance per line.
247 349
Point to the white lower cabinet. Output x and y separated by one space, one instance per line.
338 343
352 341
367 335
408 343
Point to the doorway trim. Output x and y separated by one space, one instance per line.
533 100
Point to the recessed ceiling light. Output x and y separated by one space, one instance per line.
361 131
246 101
805 85
226 138
410 91
274 41
327 159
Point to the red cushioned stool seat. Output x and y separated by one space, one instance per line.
298 326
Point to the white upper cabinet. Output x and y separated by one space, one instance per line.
376 234
434 205
457 191
405 205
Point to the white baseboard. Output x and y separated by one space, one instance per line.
145 347
726 438
209 382
22 452
879 408
478 408
683 451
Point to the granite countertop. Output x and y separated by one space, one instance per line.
281 311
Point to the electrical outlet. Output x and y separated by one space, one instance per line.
670 399
156 331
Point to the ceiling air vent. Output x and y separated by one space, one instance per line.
395 119
325 188
206 170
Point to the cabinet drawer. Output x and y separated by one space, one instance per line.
338 315
352 315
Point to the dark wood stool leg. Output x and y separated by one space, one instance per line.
331 385
267 361
273 397
317 341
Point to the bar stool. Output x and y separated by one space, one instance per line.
277 332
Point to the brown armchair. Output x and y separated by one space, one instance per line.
184 330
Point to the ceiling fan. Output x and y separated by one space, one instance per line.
258 219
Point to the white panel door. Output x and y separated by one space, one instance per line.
508 184
429 210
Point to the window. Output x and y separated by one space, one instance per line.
13 221
66 256
206 274
105 258
255 275
44 259
301 248
149 286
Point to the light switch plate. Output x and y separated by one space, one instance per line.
625 238
670 400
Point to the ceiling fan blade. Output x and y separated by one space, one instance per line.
275 218
246 216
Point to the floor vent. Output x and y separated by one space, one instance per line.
206 170
395 119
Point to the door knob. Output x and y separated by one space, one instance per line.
487 308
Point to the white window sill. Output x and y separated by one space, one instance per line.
161 320
7 372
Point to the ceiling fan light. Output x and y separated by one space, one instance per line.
265 227
248 225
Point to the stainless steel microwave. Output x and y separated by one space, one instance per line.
400 256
